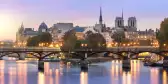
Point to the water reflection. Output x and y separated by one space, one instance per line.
83 78
23 72
154 74
41 79
164 77
57 76
116 70
126 78
2 66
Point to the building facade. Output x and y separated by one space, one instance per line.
23 34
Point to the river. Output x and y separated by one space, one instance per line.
25 72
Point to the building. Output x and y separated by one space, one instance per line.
79 32
132 36
90 29
23 34
100 27
132 22
64 27
6 43
20 34
43 28
54 31
107 37
146 35
119 21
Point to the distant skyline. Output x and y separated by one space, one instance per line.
149 13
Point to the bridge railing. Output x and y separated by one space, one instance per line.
57 49
29 49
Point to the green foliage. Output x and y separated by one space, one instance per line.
162 35
69 40
45 38
96 41
41 38
119 37
79 42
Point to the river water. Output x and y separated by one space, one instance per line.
25 72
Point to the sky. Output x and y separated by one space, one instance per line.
32 13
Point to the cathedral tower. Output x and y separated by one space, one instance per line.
119 21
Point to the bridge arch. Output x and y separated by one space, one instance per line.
9 53
160 53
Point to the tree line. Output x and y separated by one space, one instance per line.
70 41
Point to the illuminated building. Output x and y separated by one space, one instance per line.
43 28
23 34
100 27
79 32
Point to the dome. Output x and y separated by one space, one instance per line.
43 27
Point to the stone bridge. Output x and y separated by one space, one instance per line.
42 52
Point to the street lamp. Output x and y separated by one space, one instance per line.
82 45
164 45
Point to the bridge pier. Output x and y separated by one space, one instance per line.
126 64
84 63
86 55
41 65
22 56
165 62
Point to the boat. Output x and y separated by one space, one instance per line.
159 63
154 64
148 63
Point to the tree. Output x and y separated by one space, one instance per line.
41 38
69 40
118 37
34 41
79 42
96 41
162 35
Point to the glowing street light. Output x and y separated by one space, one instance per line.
164 44
51 45
82 45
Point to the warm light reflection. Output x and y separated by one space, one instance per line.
41 79
46 69
50 77
164 77
12 73
126 78
116 71
154 74
83 78
57 76
2 64
22 72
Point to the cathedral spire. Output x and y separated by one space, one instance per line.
21 29
22 26
100 18
122 14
